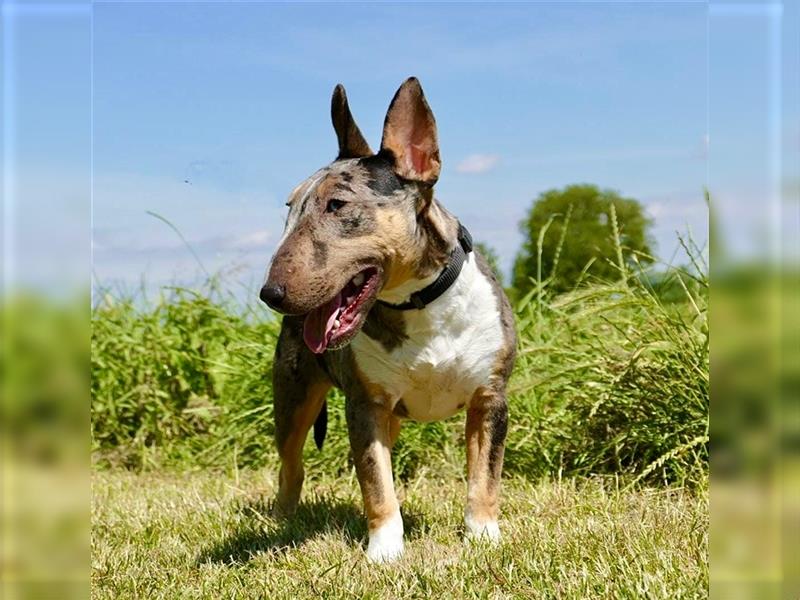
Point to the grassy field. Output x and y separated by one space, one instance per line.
606 469
210 535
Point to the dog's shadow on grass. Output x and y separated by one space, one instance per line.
259 531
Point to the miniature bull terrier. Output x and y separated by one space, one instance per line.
384 297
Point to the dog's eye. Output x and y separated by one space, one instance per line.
334 204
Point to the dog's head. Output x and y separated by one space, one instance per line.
364 225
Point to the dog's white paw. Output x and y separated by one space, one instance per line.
487 531
386 542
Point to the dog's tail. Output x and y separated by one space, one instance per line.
321 426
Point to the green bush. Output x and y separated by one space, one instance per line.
609 379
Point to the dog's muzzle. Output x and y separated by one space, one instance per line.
272 295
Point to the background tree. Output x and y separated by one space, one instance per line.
588 238
491 257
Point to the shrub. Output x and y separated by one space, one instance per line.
608 380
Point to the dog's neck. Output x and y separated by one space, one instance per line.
437 235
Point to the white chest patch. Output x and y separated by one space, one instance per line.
451 349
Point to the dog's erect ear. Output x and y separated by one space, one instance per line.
351 143
409 133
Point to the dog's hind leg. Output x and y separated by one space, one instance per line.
299 389
487 423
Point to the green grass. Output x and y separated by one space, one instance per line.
609 380
211 535
606 469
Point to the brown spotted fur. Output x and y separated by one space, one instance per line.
392 221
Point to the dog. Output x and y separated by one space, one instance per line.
384 297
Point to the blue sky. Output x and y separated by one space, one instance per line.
234 99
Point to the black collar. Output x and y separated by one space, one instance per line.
428 294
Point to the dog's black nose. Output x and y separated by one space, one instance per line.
272 295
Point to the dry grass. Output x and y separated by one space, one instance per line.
210 535
610 390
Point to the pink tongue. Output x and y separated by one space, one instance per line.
319 324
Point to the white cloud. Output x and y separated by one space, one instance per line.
478 163
232 231
256 239
655 209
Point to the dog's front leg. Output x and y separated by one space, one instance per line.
299 386
372 427
487 423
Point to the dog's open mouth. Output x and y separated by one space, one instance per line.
337 321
